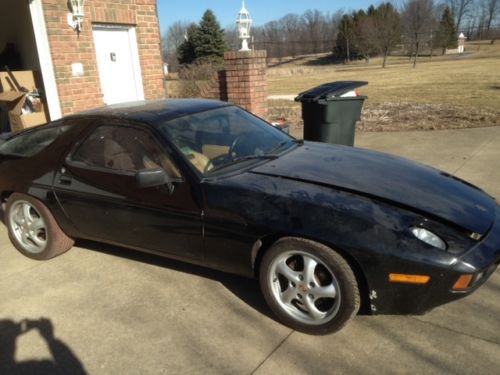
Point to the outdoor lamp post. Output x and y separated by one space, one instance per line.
244 23
75 18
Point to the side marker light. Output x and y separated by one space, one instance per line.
408 279
463 282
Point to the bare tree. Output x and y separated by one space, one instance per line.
171 40
333 23
460 9
387 29
313 21
291 27
232 37
492 11
293 34
418 20
273 35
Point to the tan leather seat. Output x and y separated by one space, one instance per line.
116 157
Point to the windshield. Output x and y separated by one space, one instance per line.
225 137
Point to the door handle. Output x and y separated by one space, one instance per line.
63 178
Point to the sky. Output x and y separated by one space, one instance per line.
261 11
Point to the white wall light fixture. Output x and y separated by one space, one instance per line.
75 17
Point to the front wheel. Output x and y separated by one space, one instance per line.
310 287
32 228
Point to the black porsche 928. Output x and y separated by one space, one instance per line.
324 228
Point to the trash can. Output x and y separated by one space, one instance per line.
330 112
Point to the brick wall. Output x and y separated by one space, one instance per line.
80 93
246 84
216 87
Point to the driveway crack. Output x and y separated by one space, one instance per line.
272 352
473 155
455 331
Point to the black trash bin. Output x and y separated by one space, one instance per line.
330 113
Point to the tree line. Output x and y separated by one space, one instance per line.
413 28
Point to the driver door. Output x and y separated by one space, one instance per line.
97 189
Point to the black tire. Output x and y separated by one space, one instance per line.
33 230
292 297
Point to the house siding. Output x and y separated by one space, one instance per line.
67 47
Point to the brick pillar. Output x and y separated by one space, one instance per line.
246 80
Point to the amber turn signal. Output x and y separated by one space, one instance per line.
408 279
463 282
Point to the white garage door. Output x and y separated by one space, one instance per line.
118 64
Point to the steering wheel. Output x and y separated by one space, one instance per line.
238 146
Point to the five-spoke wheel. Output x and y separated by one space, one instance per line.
304 287
309 286
33 229
28 227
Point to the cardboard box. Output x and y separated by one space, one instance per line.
14 100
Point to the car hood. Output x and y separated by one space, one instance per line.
390 178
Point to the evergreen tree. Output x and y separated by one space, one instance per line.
209 41
344 44
363 41
186 50
204 42
447 33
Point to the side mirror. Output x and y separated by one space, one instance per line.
152 177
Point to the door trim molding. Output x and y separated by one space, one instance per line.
45 59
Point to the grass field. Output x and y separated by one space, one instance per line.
471 80
444 92
451 91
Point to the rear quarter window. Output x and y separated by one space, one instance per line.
31 142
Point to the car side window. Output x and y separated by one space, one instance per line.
33 141
123 149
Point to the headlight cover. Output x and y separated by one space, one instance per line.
428 237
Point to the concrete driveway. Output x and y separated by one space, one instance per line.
106 310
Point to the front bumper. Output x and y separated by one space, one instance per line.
480 262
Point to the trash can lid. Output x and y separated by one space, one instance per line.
328 90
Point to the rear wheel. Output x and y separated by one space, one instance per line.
32 228
309 286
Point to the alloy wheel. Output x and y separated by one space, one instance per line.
28 227
304 287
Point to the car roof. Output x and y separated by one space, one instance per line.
153 111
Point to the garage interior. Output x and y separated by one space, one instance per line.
18 52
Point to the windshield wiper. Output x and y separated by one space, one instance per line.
251 157
281 144
245 158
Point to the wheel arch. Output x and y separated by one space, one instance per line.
262 245
4 195
53 240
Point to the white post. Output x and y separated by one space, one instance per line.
461 43
45 59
